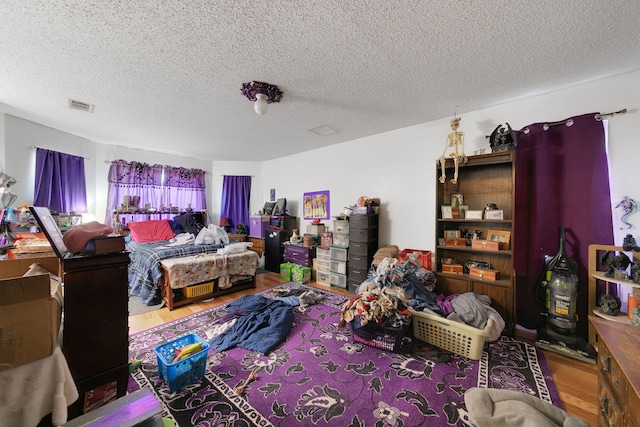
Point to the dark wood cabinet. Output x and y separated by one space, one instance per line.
95 334
484 179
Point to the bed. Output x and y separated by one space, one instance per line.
145 268
197 277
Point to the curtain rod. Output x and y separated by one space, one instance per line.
33 147
598 116
163 166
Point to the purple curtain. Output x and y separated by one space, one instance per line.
60 182
185 188
562 179
236 192
133 179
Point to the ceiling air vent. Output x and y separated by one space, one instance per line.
322 130
79 105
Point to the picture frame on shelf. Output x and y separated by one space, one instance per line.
452 234
457 200
473 214
441 241
501 236
447 211
494 214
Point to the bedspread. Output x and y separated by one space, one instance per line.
145 268
201 268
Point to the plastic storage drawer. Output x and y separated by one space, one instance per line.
341 240
338 280
323 254
338 266
341 226
338 253
322 277
363 234
363 221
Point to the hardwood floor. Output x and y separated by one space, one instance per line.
576 381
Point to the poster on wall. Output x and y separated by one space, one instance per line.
316 205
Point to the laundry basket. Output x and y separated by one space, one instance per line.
449 335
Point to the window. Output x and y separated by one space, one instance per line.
140 185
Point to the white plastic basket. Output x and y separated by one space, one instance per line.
449 335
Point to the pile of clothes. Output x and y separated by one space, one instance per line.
396 285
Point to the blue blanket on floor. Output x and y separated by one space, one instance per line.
265 324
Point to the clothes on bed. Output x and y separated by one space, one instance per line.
188 223
267 324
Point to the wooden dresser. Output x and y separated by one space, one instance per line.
619 372
95 335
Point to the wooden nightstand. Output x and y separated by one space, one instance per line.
237 237
258 245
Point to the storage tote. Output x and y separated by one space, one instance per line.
384 338
449 335
182 372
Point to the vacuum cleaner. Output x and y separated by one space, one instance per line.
557 291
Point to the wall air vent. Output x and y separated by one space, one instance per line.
79 105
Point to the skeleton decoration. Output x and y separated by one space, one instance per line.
455 141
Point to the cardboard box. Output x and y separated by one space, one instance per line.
300 274
286 270
452 268
485 244
484 273
30 312
455 241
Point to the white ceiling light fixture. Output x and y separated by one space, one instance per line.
262 94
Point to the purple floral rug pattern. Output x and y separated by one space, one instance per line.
319 376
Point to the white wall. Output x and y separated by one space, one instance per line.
21 135
398 166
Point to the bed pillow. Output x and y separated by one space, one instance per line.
150 231
177 228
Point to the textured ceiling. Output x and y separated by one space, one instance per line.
166 75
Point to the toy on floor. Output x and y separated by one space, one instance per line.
134 364
240 389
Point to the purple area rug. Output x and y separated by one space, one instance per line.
319 376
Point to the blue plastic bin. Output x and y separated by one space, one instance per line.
183 372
